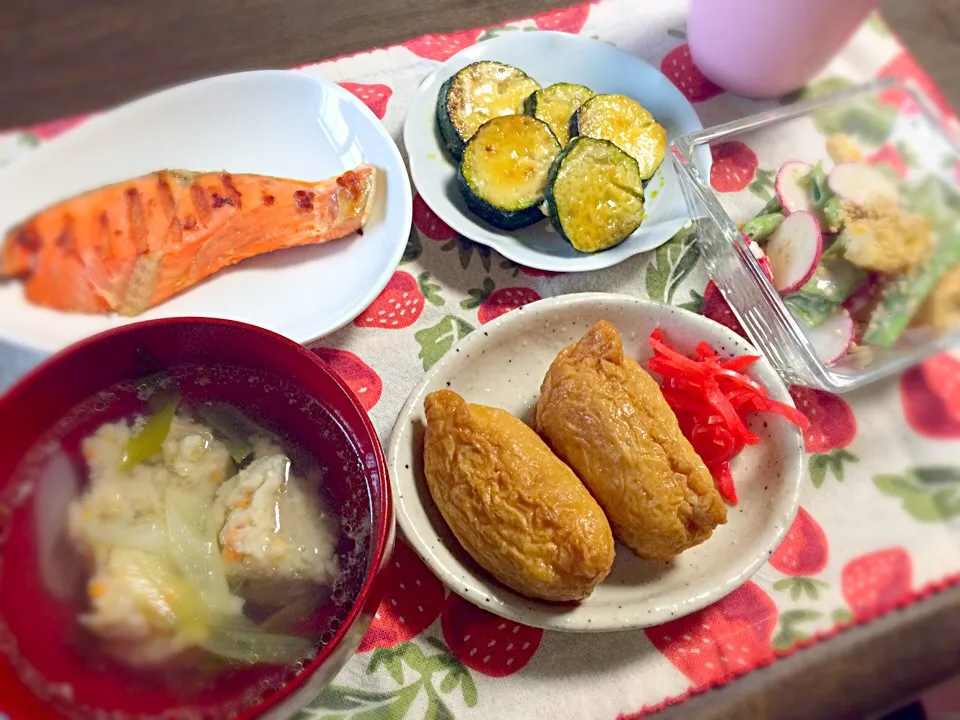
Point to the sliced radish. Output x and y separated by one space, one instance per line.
794 251
859 183
831 339
761 256
794 196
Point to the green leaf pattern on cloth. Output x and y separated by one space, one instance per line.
430 290
694 304
868 121
929 494
790 632
478 295
827 464
798 587
672 263
437 340
339 702
466 249
762 185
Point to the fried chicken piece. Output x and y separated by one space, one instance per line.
607 419
513 505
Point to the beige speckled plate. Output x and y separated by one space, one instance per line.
502 364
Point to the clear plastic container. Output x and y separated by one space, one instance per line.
886 118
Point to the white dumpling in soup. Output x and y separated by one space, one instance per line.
141 608
273 530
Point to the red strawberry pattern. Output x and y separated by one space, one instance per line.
832 423
722 641
877 582
484 642
942 372
503 301
427 222
678 66
904 66
718 309
442 47
374 97
413 600
494 303
400 303
359 377
930 395
734 166
50 130
570 20
888 155
803 550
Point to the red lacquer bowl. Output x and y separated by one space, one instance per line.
44 674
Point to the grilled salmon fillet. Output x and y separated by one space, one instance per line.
129 246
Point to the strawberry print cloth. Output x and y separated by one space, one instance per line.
875 530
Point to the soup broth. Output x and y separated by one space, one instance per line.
202 575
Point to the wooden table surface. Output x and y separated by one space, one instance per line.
61 57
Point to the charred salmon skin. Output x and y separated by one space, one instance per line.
129 246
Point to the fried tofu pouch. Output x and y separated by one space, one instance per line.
513 505
605 417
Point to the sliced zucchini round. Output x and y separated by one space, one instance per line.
504 170
479 92
627 124
556 104
595 195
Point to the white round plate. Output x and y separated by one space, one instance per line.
280 123
550 57
502 365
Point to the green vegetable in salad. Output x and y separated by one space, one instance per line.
816 182
811 310
773 206
835 278
763 226
147 440
833 214
904 296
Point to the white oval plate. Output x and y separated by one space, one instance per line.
270 122
550 57
502 365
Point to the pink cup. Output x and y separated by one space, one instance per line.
769 48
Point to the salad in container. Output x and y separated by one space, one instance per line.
836 252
